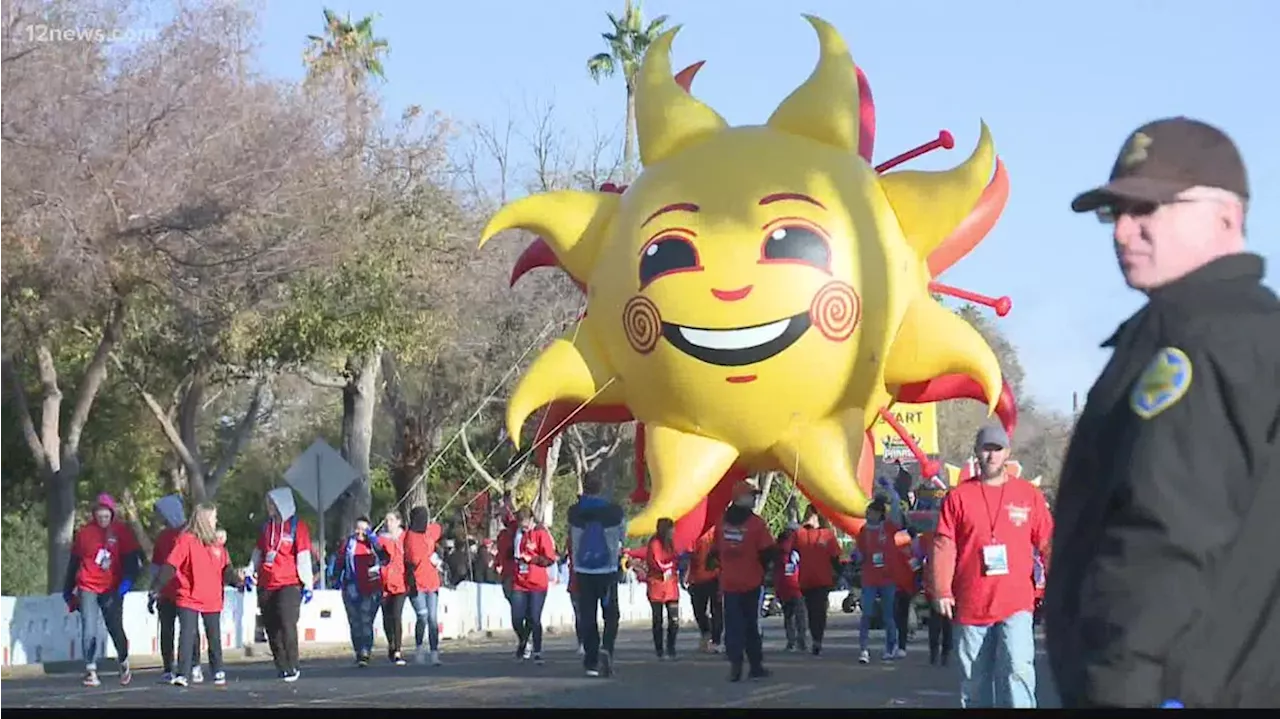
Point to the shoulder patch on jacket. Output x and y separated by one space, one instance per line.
1163 383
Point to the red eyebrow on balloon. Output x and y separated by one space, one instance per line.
780 196
677 207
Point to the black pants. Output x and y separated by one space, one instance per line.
939 636
597 591
706 596
280 609
742 629
526 617
392 626
902 616
168 612
815 604
189 621
673 626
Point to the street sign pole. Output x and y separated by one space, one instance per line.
324 565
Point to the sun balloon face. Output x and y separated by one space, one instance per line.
735 271
757 293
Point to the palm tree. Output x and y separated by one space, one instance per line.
628 40
347 48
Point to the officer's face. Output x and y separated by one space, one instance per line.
1157 244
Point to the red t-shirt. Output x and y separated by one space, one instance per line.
817 547
788 570
879 552
662 573
363 558
530 577
199 573
419 547
503 561
739 550
280 552
101 553
974 516
393 579
698 571
160 553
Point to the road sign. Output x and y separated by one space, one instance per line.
320 475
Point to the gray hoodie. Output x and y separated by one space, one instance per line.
282 497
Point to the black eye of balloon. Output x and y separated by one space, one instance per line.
666 255
796 243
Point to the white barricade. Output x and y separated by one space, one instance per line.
36 630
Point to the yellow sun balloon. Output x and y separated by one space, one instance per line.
757 292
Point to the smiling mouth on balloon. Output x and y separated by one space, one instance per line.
739 346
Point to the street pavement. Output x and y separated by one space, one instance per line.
488 675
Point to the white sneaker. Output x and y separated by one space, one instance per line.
435 658
887 656
864 657
420 655
220 679
178 680
900 654
528 653
197 675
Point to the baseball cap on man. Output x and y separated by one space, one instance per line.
992 434
1166 157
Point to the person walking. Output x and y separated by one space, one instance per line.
819 566
201 568
596 530
786 587
533 550
395 587
663 587
422 572
877 554
1166 574
704 592
105 561
161 599
987 532
940 632
283 572
744 549
361 582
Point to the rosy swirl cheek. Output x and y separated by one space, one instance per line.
835 311
642 324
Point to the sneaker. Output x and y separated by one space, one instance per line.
398 659
901 653
581 651
671 656
662 657
715 648
537 658
166 677
291 675
864 657
758 674
362 661
91 678
606 663
791 647
593 672
197 675
420 655
817 648
219 679
888 656
435 658
735 672
705 645
526 653
126 674
179 680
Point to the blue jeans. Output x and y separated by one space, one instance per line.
427 606
997 664
109 609
526 617
361 611
885 595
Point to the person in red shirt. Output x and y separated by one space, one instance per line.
786 587
819 566
744 548
283 573
663 581
422 571
201 568
105 561
395 588
877 553
532 551
169 513
988 529
361 581
704 592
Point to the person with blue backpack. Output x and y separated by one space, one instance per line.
596 529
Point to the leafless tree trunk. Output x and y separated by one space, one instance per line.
545 504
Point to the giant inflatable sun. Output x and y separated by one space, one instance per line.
759 294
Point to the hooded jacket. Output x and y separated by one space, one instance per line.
282 557
103 560
170 510
420 559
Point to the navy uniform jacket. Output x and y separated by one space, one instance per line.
1167 458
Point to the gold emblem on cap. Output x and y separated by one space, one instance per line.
1135 151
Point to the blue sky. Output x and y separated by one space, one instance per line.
1060 84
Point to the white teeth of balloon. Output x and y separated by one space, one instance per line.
739 339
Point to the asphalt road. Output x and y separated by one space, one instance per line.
488 675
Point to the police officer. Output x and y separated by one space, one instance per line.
1163 587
